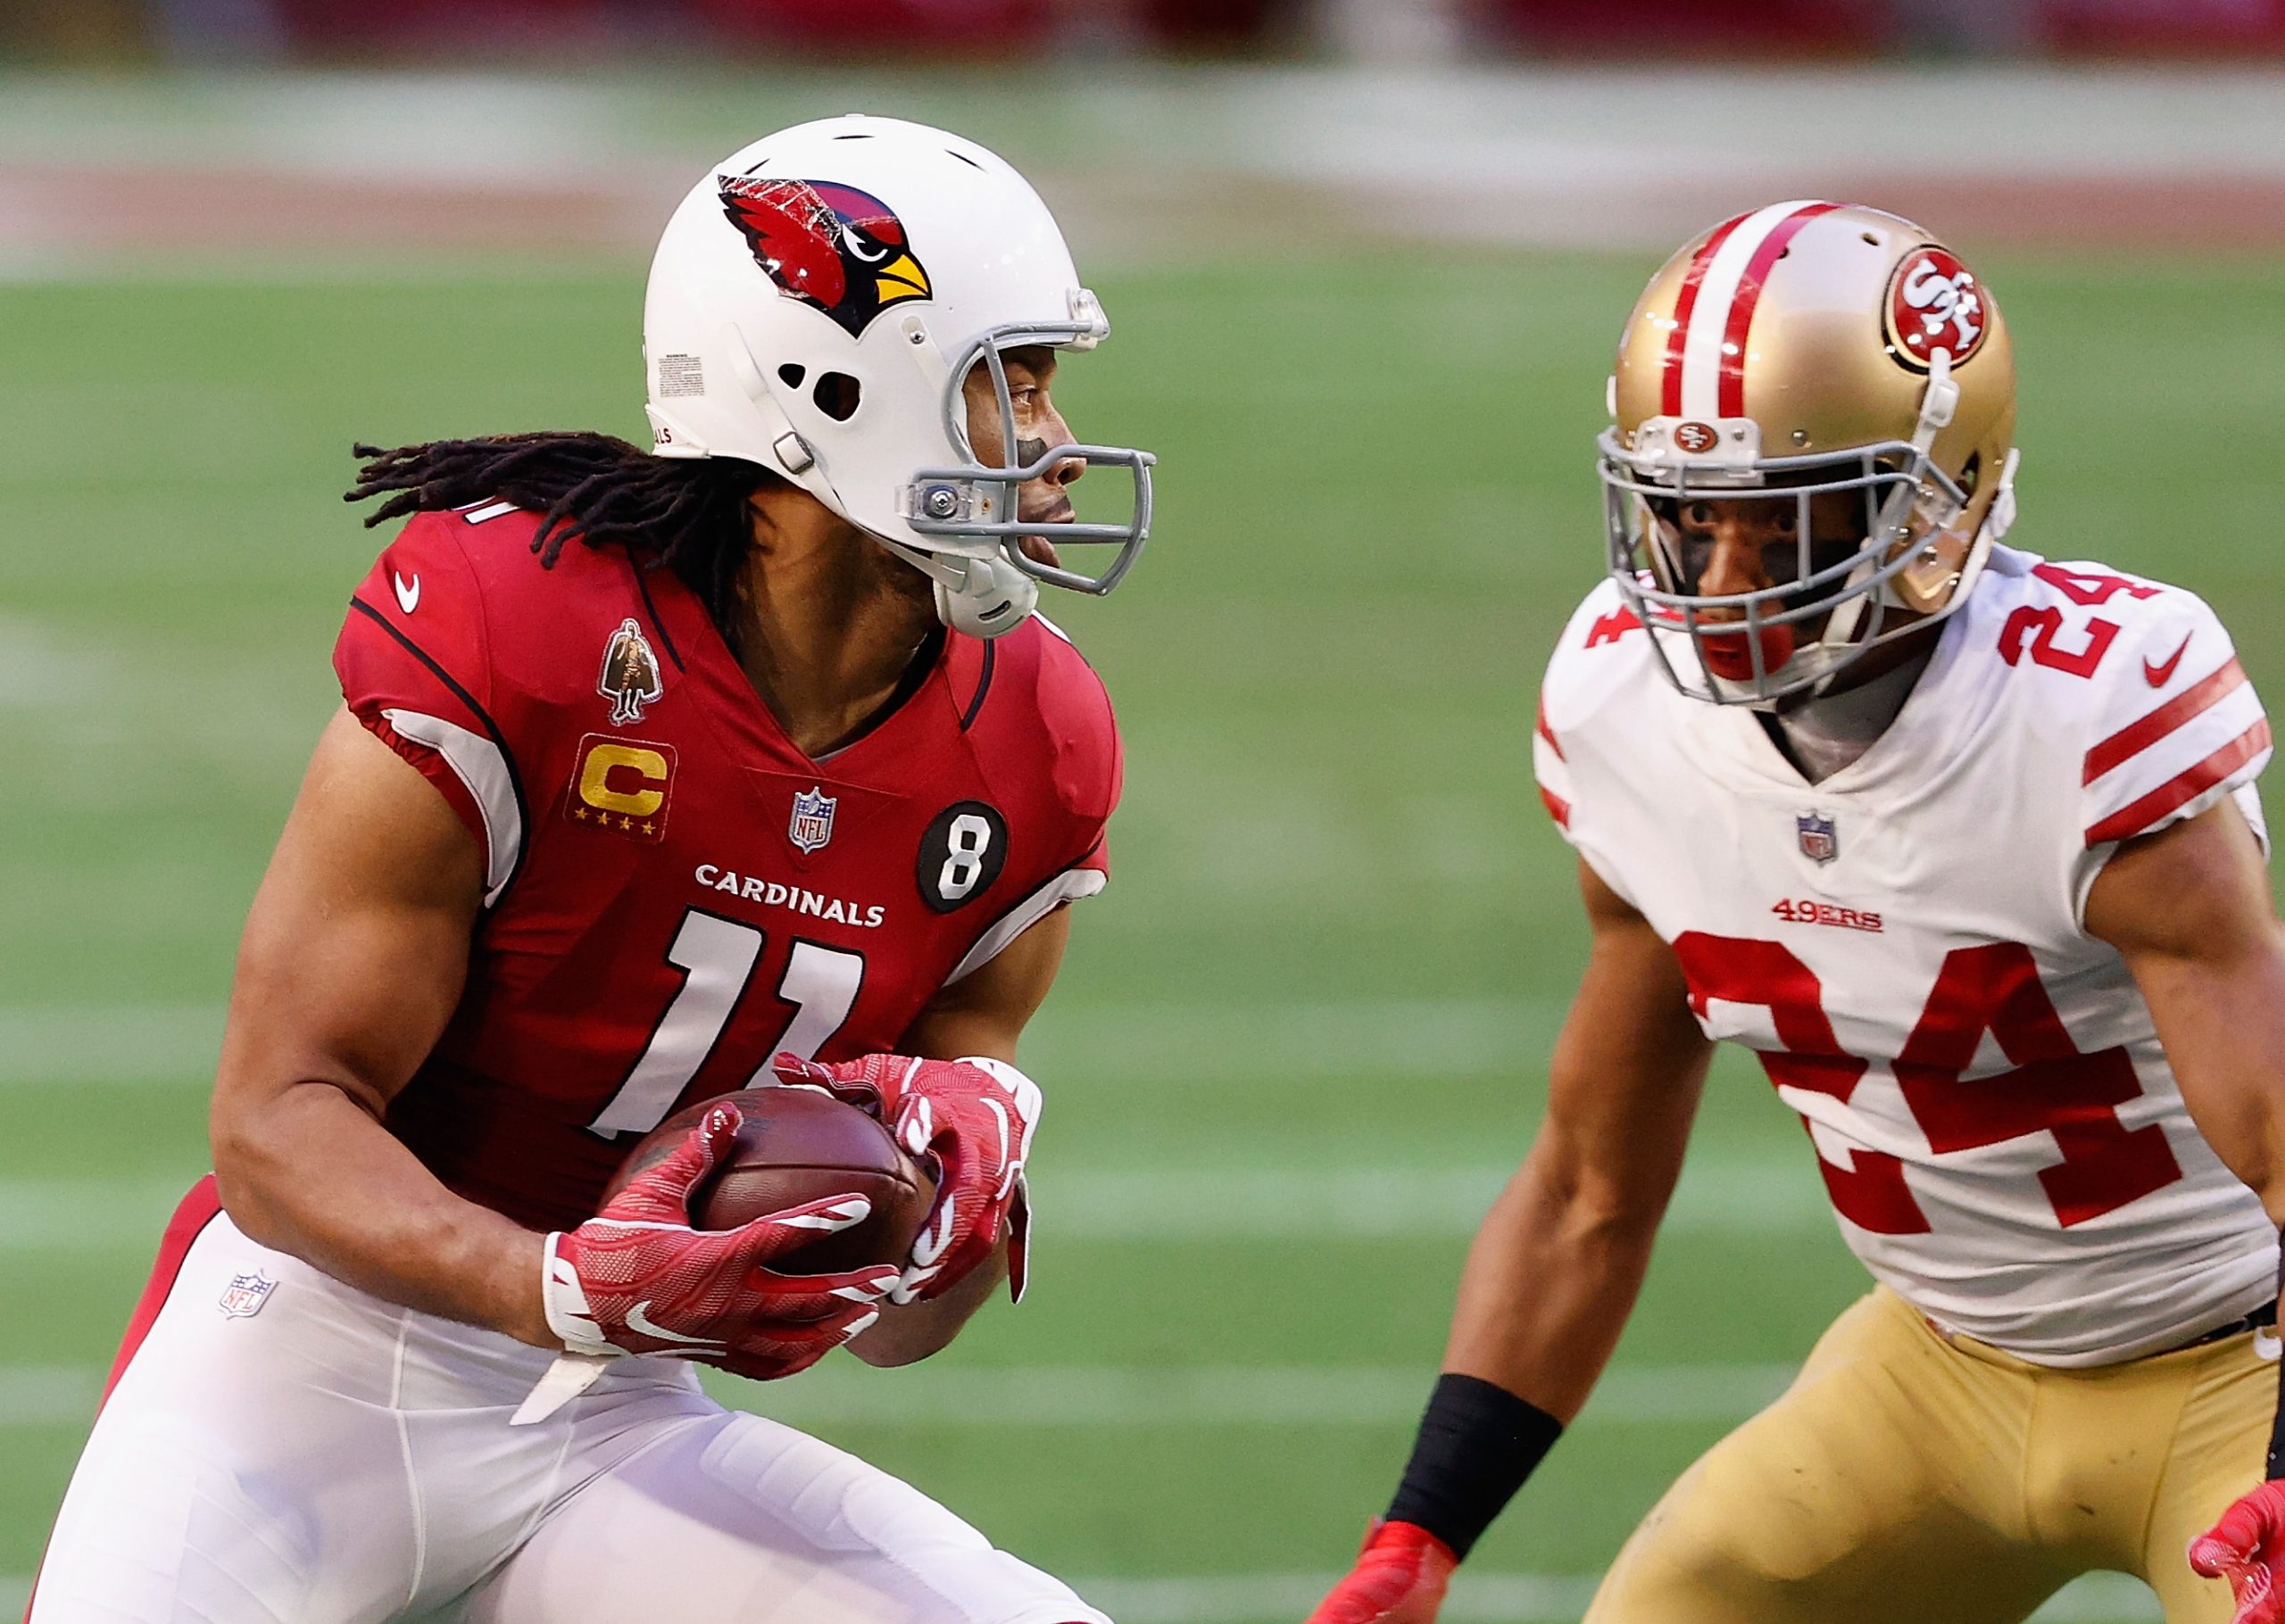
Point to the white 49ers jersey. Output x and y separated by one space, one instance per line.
1904 943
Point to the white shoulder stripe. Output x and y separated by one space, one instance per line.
1552 772
2248 799
479 766
1068 886
1709 320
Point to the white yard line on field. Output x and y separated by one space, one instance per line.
48 1394
1240 1042
108 1043
1214 1395
846 1393
77 1216
163 1042
1720 1194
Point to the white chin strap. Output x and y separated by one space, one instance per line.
980 597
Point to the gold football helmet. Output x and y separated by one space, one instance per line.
1806 350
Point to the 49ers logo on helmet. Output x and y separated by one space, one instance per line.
832 246
1934 303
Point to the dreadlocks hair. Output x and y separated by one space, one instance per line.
687 515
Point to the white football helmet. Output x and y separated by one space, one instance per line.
814 307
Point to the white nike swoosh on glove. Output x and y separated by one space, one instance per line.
639 1320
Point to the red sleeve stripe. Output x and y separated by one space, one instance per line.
1540 728
2138 815
1558 808
2136 737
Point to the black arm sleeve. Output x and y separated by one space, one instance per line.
1476 1445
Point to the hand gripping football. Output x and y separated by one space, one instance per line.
795 1146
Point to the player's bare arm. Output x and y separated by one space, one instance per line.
2188 910
1560 1257
983 1013
1555 1268
351 962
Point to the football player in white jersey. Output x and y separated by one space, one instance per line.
1965 844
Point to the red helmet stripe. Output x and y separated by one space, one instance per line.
1685 301
1733 396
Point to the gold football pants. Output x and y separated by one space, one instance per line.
1913 1477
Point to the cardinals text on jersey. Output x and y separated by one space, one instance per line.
1997 1124
674 891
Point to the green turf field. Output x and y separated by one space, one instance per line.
1299 1038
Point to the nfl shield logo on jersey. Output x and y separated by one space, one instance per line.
245 1294
1820 842
812 824
630 674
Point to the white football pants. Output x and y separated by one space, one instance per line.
281 1448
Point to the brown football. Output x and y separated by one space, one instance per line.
796 1146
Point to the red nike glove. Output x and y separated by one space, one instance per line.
2247 1548
637 1278
974 1118
1398 1578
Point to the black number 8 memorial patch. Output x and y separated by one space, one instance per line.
962 854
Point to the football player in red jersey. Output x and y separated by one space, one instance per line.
659 775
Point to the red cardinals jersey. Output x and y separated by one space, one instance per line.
673 891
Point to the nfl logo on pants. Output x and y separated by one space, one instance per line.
1820 840
245 1294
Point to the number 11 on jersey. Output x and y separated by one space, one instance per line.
717 957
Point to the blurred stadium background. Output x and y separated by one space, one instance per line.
1364 262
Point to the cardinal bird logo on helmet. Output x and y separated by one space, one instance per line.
833 246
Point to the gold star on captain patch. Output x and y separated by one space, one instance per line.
649 828
626 823
580 813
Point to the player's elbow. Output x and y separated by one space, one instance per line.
892 1342
248 1166
909 1333
268 1145
1611 1220
1587 1207
915 1332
